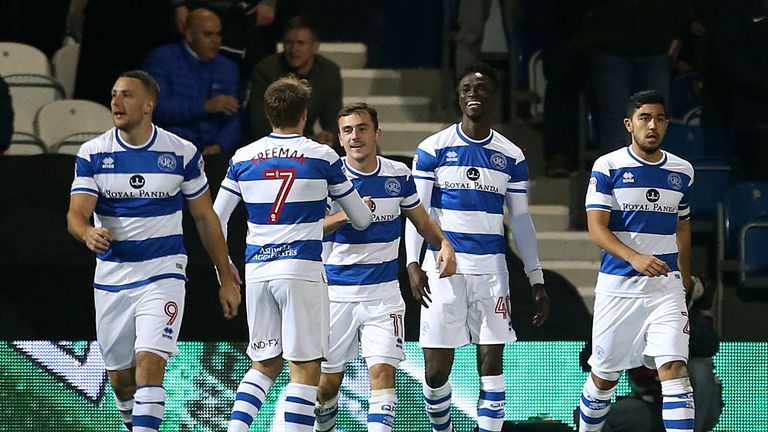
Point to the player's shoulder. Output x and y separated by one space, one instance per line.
393 168
503 144
619 158
439 140
676 163
99 144
169 141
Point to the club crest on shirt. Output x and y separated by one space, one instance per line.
499 161
675 181
392 186
167 162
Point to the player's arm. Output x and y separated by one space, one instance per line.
413 244
524 236
357 211
597 223
81 208
209 228
431 232
334 221
684 251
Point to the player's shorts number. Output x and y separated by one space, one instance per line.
397 323
172 310
503 306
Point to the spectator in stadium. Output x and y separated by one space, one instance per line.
300 57
628 52
6 116
741 50
247 34
200 87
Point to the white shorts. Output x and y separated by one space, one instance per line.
288 317
139 319
376 325
628 332
467 308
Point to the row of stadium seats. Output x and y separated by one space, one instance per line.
61 126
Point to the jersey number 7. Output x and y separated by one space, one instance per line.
287 176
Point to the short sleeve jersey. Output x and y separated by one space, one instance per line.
284 181
141 192
646 201
363 265
470 181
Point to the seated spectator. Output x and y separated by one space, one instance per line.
6 117
198 87
299 57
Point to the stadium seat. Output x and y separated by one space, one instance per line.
65 124
693 116
684 140
537 84
743 202
711 180
29 93
16 58
753 257
25 144
65 67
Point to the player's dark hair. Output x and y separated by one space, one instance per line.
483 69
644 97
285 101
150 85
302 22
359 107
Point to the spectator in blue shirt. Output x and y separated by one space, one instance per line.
199 87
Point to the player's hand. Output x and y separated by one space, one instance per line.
445 262
222 104
264 14
229 292
369 202
649 265
541 300
97 239
212 150
419 286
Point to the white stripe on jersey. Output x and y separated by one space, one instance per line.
143 228
116 274
303 190
259 234
365 253
470 222
653 244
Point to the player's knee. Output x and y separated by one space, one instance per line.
382 376
329 386
605 380
672 370
437 377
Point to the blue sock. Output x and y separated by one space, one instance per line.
438 405
678 408
148 409
300 407
490 405
594 406
250 395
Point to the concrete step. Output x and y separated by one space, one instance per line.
348 55
403 138
361 83
549 217
543 190
567 246
579 273
397 108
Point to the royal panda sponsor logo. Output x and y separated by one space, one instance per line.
473 173
652 195
137 181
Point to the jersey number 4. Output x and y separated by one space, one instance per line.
287 176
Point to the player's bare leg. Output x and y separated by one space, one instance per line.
437 390
124 385
490 403
328 401
252 391
678 406
149 408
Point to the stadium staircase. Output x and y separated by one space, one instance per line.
411 105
